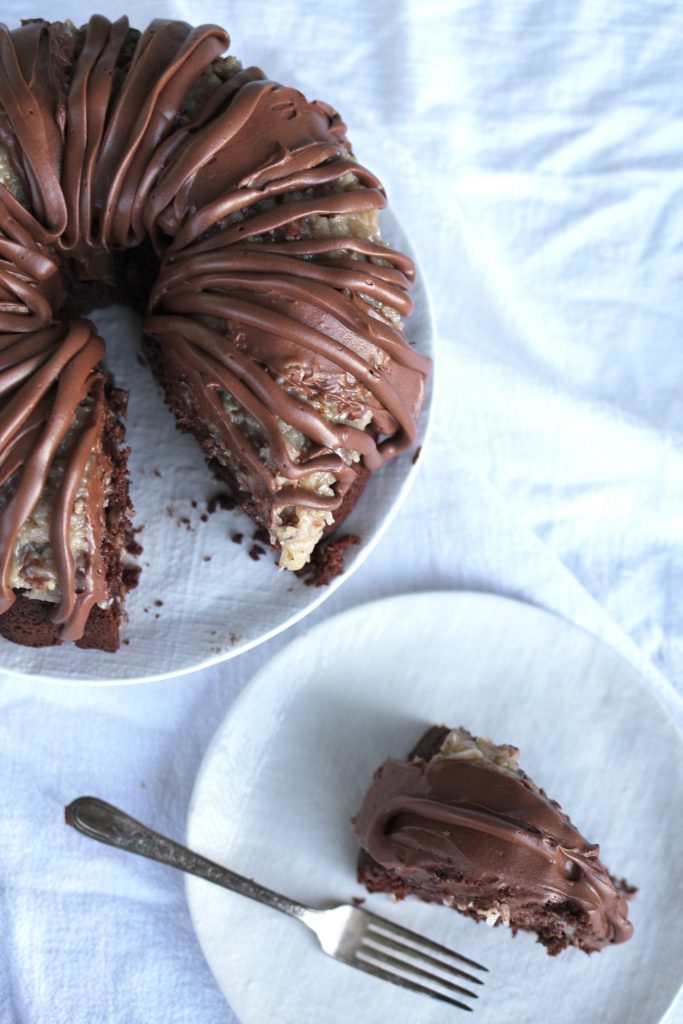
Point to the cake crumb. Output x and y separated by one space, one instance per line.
255 552
416 455
204 517
158 603
261 535
206 558
327 561
131 576
193 503
237 538
221 500
235 638
157 473
358 901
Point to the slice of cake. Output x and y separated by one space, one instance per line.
460 823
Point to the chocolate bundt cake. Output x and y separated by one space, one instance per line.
150 169
460 823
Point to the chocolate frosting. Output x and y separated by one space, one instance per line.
299 329
108 153
488 832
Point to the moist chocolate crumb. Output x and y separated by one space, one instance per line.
157 472
235 638
255 552
358 901
126 642
416 455
133 547
327 561
131 576
158 603
207 558
237 538
193 503
261 535
221 500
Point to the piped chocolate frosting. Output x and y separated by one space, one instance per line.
275 295
488 842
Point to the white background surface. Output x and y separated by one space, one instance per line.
533 153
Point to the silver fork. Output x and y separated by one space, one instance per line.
348 933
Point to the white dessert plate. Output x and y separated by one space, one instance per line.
201 599
290 764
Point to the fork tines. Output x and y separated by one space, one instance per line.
387 948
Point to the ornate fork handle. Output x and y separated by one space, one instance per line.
107 824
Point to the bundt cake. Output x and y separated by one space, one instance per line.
460 823
148 168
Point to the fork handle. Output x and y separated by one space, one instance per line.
107 824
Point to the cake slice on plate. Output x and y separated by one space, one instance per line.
460 823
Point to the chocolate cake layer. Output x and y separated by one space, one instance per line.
471 830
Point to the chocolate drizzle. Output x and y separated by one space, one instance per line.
107 152
300 328
490 837
46 376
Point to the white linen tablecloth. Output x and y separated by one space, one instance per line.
533 150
